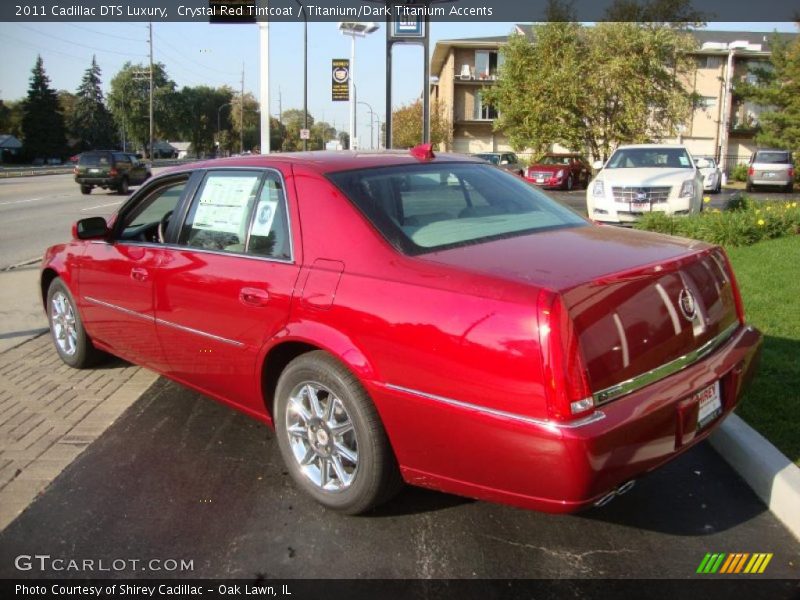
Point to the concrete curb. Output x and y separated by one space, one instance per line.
772 476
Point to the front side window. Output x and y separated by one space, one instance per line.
147 220
421 208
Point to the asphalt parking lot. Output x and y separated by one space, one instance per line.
179 476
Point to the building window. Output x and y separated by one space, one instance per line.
709 62
482 111
707 102
487 64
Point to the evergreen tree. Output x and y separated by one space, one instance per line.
42 121
92 123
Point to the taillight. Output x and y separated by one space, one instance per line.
113 172
791 173
737 296
566 379
751 171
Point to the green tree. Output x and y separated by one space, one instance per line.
567 87
407 126
198 109
777 87
129 101
91 122
247 121
344 139
293 122
12 121
42 122
321 133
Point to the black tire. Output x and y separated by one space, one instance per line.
84 353
569 184
375 477
789 188
123 186
749 187
86 189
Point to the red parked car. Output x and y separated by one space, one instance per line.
564 171
404 317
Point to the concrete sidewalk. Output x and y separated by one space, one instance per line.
21 313
49 413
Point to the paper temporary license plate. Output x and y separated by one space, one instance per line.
640 207
769 174
710 404
540 180
94 170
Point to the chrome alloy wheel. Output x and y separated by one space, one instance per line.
322 437
62 320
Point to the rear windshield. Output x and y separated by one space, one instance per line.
95 160
422 208
665 158
772 157
555 160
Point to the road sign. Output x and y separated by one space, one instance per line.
305 134
340 80
408 27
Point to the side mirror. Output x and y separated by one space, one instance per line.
597 165
93 228
701 163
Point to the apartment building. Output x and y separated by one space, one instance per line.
465 67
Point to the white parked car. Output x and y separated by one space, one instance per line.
712 175
645 178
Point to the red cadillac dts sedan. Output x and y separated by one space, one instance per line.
410 317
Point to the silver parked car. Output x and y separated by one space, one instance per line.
771 167
712 176
504 160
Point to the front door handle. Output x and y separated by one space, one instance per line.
253 296
139 274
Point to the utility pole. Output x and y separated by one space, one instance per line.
241 116
150 146
263 76
280 106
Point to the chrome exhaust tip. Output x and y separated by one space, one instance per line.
617 491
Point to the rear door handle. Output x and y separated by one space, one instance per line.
253 296
139 274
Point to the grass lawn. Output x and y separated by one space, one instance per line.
769 278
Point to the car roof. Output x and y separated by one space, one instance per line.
329 161
663 146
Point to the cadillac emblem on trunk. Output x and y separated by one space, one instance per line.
687 304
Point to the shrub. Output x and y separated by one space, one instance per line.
744 222
739 173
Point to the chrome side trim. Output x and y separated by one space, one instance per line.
154 320
127 311
551 425
200 333
635 383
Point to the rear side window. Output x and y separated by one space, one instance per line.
95 160
772 157
421 208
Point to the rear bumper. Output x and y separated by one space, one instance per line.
538 465
99 181
777 181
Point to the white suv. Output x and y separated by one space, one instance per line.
645 178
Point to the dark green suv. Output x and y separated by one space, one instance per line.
110 169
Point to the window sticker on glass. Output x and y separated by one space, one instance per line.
265 214
222 205
684 160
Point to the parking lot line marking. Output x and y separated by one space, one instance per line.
101 205
20 201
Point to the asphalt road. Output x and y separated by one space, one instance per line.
180 476
37 212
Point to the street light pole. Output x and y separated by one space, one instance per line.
371 123
353 29
305 70
219 129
